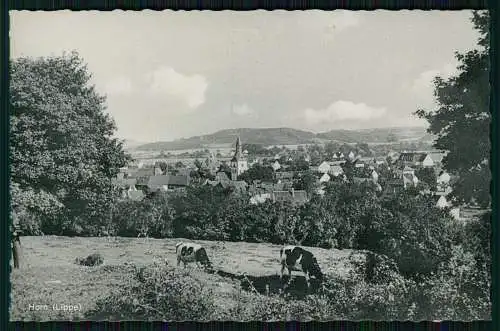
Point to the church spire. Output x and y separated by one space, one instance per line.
237 152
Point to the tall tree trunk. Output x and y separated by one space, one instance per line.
16 251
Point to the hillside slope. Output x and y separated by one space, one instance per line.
288 136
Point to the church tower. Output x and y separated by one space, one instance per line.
238 163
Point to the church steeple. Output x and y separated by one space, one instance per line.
238 152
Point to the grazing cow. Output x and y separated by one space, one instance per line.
295 258
189 252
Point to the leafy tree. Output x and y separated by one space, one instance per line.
224 167
330 149
306 181
179 165
462 119
428 176
198 164
163 165
258 172
299 164
61 145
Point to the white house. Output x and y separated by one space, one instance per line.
351 156
408 171
276 165
374 176
409 179
336 170
260 198
324 167
443 178
325 178
428 161
442 202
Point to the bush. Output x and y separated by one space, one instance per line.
158 293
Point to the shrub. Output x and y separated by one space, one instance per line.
158 293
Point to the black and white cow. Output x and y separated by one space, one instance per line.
190 252
295 258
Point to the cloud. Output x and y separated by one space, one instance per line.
189 88
343 111
243 110
119 85
423 85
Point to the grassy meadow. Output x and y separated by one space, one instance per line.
49 275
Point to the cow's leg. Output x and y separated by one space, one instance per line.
178 260
289 276
282 270
307 280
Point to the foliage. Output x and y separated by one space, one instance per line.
159 293
258 172
61 145
428 176
256 149
462 120
306 181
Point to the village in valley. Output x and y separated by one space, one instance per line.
272 166
389 174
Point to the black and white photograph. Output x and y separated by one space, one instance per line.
250 165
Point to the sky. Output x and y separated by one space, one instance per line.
170 75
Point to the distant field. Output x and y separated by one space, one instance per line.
49 275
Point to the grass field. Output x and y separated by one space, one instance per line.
49 276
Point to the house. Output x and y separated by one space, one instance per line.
393 186
409 180
260 198
393 156
124 183
221 176
359 180
325 178
437 157
158 171
136 195
296 197
428 162
167 182
442 203
324 167
359 165
276 165
374 175
408 171
351 156
415 159
140 172
443 178
336 170
284 175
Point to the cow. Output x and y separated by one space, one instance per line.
295 258
190 252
